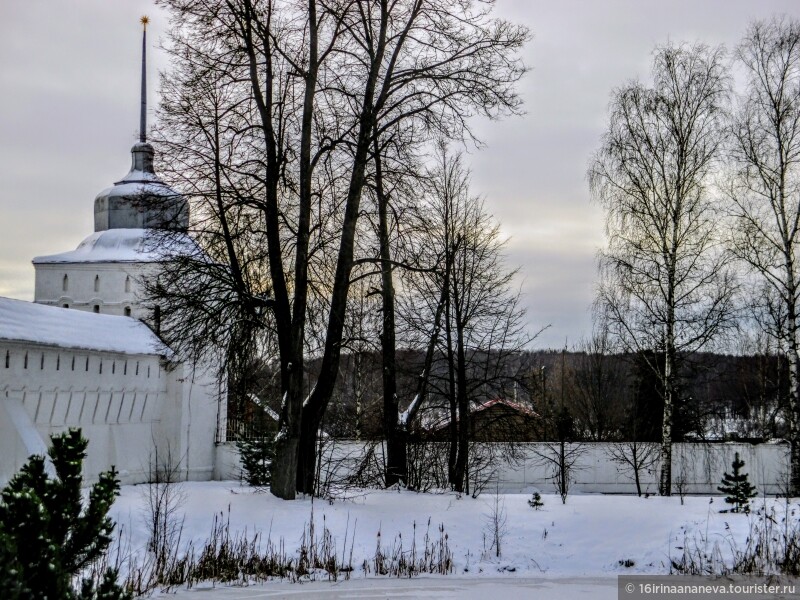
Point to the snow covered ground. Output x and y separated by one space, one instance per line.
582 545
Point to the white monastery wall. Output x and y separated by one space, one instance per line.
698 466
128 406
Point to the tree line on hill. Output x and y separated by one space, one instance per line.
607 397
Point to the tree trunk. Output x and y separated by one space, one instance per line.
395 446
287 444
463 408
563 470
793 359
317 402
636 468
300 299
665 481
307 450
452 456
290 320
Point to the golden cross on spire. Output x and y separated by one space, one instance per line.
144 21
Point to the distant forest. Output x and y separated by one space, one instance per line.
607 396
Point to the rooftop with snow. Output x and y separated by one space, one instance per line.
22 321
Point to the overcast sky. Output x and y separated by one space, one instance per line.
69 114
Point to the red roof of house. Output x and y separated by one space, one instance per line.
490 403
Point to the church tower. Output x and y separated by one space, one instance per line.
104 273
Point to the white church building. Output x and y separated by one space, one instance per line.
86 352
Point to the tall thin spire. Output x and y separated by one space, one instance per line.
143 114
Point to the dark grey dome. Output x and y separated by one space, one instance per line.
140 199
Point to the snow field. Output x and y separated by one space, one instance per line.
591 536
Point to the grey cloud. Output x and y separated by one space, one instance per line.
68 116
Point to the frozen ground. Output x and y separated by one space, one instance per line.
444 588
562 551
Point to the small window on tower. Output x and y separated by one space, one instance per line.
127 311
97 283
96 308
65 305
65 284
128 283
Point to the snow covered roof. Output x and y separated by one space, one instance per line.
515 406
124 245
154 187
22 321
441 423
265 407
136 175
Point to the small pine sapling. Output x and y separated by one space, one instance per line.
738 488
53 534
536 502
257 456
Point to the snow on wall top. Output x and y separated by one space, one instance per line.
22 321
122 245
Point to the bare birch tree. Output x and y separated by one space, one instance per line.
765 190
664 286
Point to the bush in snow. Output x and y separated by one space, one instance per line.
48 538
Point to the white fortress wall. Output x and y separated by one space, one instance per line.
127 405
699 466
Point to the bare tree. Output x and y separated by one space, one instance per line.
634 458
561 458
313 84
471 292
211 294
765 190
600 387
664 285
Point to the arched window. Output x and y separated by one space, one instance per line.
96 308
65 305
128 283
65 283
127 311
97 283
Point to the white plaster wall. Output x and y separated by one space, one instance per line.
700 465
189 421
228 463
128 407
111 296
